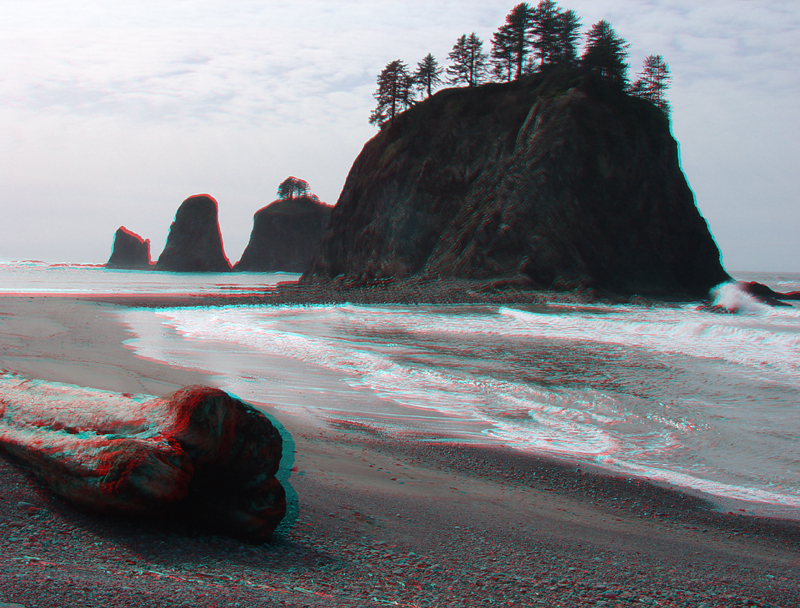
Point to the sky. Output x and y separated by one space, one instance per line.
113 113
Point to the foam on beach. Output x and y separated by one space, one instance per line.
681 396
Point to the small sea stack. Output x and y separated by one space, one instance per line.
286 235
130 251
194 243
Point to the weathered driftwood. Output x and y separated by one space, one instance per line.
198 453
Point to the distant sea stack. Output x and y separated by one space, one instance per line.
194 243
130 251
286 235
558 179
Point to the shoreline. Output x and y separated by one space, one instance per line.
357 489
408 292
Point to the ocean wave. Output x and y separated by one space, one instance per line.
763 339
441 371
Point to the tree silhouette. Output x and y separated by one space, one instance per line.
546 25
512 42
428 74
291 187
605 53
502 55
653 82
468 61
569 25
395 93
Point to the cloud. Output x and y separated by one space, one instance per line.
121 110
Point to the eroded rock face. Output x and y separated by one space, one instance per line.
130 251
285 236
194 243
198 454
558 179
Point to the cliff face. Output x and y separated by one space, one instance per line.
286 235
194 243
559 179
130 251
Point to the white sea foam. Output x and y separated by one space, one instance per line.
456 371
733 298
765 338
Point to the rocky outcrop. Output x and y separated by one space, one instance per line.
285 236
194 243
559 180
198 455
767 294
130 251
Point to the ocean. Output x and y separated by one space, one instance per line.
706 402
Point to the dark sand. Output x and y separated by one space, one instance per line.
381 521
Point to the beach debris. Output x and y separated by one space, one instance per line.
198 455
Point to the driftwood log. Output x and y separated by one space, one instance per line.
197 454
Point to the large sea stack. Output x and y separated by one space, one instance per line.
194 243
286 235
130 251
559 179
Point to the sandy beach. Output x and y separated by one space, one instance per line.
373 520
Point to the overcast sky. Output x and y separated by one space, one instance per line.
112 113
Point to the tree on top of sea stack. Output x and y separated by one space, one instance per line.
512 42
605 53
428 74
292 187
653 82
468 61
395 93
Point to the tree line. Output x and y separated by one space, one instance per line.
532 39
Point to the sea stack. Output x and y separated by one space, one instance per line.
286 235
194 243
130 251
560 180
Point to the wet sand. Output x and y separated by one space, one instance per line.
374 520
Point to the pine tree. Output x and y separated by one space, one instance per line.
653 82
605 54
569 24
502 55
468 61
291 187
519 26
428 74
394 94
546 26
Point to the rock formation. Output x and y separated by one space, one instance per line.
130 251
768 295
198 455
285 236
558 179
194 243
